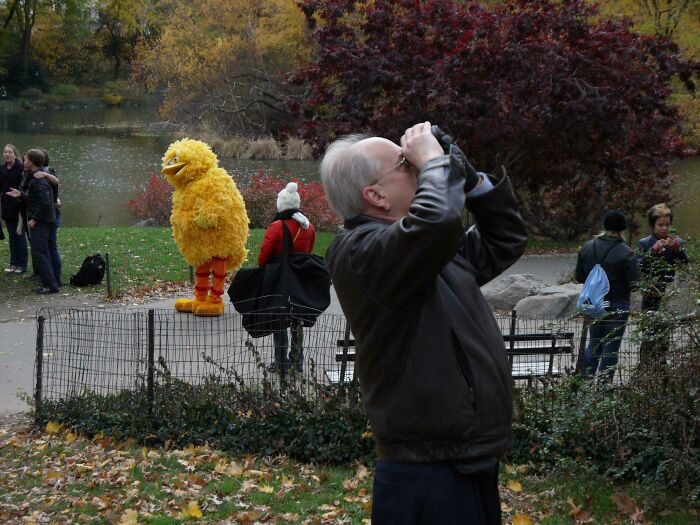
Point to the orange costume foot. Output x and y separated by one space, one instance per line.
207 300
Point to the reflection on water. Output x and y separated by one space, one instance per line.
99 171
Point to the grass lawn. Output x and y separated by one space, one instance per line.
142 256
137 256
57 477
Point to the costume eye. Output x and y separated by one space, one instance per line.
175 159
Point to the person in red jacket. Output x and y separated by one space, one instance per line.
304 235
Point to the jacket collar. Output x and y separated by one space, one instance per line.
361 219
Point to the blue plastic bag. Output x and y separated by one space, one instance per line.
594 290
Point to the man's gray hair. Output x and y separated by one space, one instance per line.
344 173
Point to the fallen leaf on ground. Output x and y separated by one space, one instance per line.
514 485
522 519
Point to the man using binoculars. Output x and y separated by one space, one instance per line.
430 357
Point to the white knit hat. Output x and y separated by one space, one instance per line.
288 198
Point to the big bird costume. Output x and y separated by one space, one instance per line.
209 219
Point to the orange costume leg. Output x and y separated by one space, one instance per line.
214 304
201 290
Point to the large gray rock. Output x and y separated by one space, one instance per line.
146 223
553 301
504 292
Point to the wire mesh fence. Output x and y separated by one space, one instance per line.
108 351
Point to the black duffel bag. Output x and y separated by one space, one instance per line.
292 287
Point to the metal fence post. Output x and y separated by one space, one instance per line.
109 275
39 365
582 344
151 357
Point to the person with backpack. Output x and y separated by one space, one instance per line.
303 235
617 260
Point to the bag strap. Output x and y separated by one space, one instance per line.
287 243
595 254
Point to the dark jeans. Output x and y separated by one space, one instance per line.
41 259
18 245
604 342
54 254
296 355
432 493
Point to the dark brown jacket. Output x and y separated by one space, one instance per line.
430 357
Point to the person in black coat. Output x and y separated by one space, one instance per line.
617 259
10 177
41 214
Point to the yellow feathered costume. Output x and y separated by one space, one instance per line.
209 219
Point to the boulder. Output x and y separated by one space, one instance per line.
504 292
146 223
553 301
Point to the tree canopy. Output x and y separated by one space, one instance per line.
575 106
224 60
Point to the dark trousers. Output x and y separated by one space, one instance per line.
39 238
432 493
54 254
606 333
296 355
18 245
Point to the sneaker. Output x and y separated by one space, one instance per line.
10 269
44 290
19 270
272 367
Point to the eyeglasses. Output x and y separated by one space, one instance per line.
402 164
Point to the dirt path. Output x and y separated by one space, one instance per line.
21 304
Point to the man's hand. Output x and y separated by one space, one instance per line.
13 193
419 145
31 223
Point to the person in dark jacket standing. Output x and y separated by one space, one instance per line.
10 177
658 255
617 259
303 236
55 255
41 213
430 357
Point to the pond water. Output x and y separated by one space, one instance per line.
100 169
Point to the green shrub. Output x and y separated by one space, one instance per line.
64 90
327 426
31 93
647 430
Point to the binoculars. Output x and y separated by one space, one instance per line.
443 138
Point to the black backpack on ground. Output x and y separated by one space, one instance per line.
92 271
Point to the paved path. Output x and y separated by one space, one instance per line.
18 338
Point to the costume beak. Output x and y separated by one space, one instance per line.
172 169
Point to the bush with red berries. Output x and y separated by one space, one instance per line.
153 201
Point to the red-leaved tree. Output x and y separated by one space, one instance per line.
260 198
574 106
153 201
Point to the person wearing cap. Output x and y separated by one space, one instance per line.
303 235
430 357
617 259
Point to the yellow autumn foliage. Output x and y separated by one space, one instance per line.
204 44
